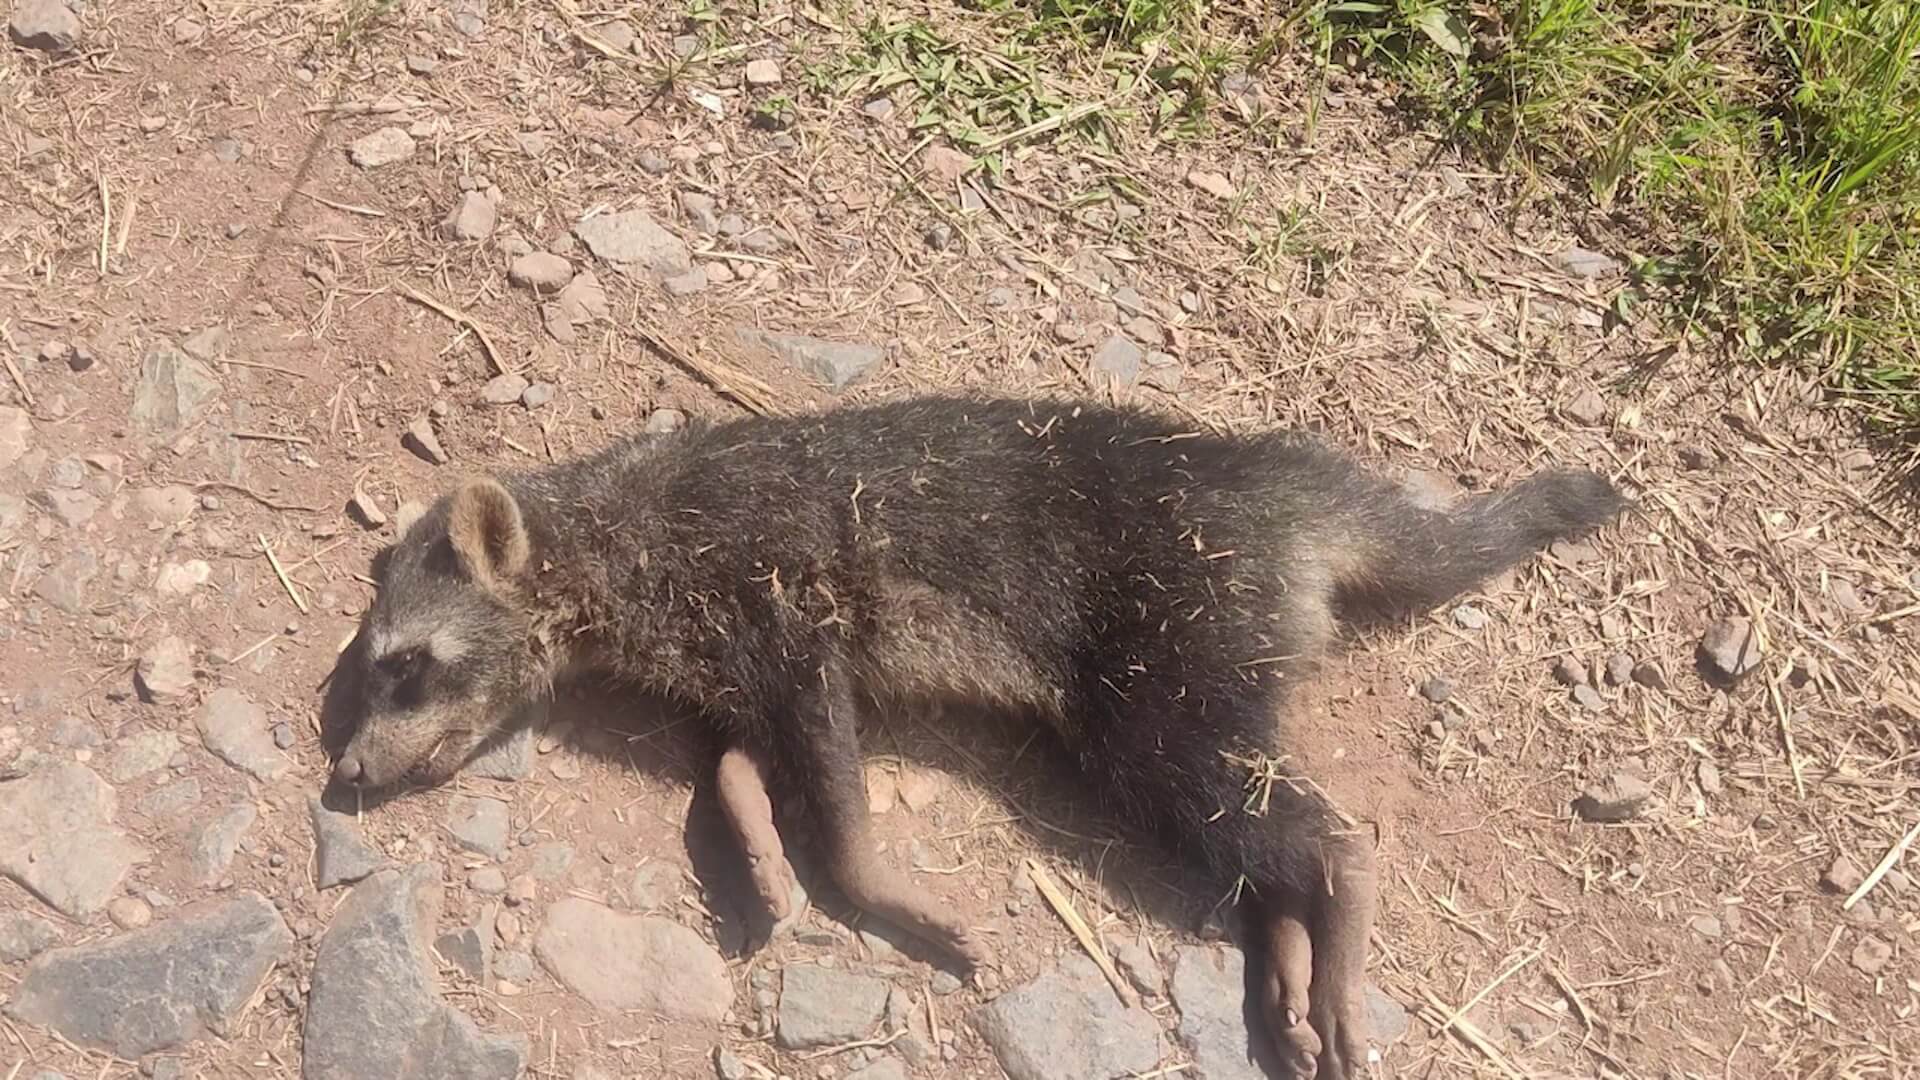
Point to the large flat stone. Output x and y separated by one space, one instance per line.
161 987
837 364
59 841
24 936
212 845
340 856
174 391
375 1012
639 962
632 240
826 1006
1209 989
235 728
1069 1025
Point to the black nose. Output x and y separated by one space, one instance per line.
348 770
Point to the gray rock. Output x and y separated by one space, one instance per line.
665 421
537 396
46 25
467 949
64 585
165 670
59 843
1589 699
763 72
654 886
479 824
472 218
503 389
701 210
1872 955
633 240
825 1006
211 846
141 753
374 1009
584 299
1437 689
340 856
24 936
944 983
1469 617
73 733
160 987
551 859
1582 263
208 344
1730 649
728 1065
16 434
639 962
1388 1020
168 505
174 391
517 966
1068 1025
236 730
1615 797
508 759
164 803
1619 669
1139 966
616 34
689 283
1843 875
72 508
1118 361
1210 991
835 363
1587 407
387 146
13 514
541 271
1163 372
422 65
469 17
420 439
887 1068
1648 674
488 881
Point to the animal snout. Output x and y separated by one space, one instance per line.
349 770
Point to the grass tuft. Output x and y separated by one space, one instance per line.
1769 153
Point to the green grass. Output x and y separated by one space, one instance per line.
1768 153
1764 156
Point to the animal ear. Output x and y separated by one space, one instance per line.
489 539
404 517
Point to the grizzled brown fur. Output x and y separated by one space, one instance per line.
1144 591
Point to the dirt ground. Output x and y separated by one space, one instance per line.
186 168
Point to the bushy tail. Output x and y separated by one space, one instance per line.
1409 558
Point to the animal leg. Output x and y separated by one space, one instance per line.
827 746
1316 969
742 788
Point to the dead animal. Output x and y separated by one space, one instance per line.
1143 591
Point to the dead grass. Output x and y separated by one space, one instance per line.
1361 281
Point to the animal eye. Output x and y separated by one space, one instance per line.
405 663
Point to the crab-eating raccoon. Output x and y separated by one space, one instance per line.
1144 591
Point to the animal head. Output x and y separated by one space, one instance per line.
442 661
